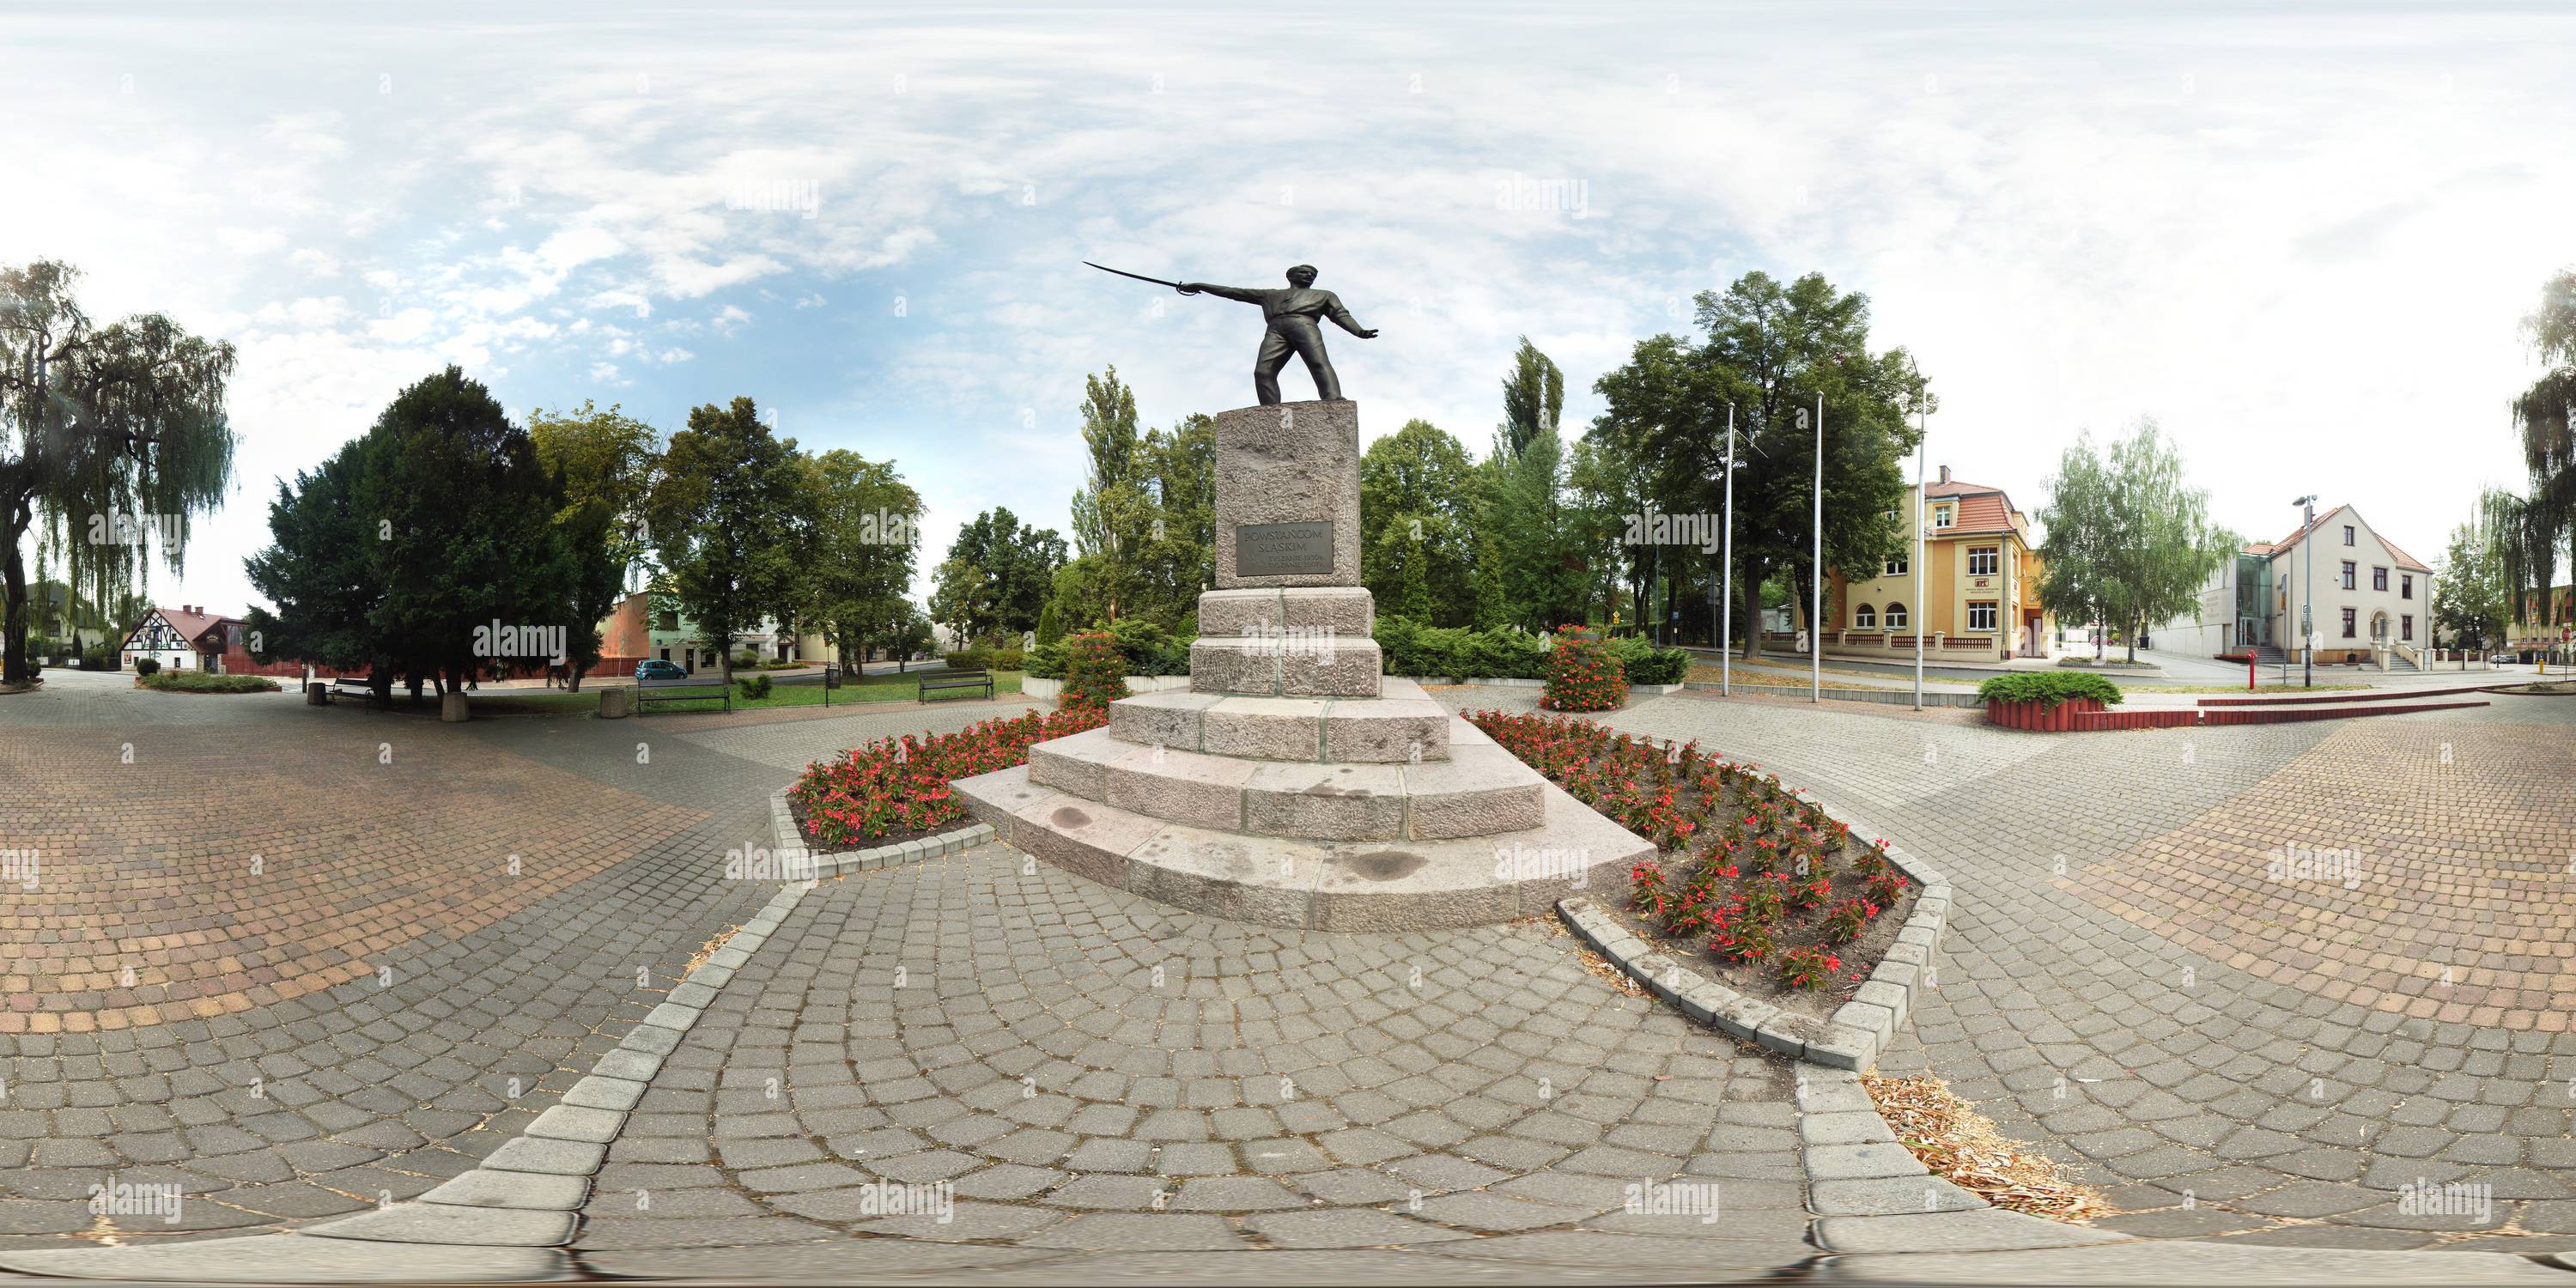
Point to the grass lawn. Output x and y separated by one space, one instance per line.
876 688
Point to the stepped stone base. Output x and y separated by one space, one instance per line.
1272 666
1402 724
1312 884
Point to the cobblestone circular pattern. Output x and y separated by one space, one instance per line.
1095 1071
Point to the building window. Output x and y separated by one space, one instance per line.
1940 516
2406 585
1891 516
1895 617
2348 632
1981 561
2406 627
1865 618
2347 534
1981 614
1898 567
2348 576
2379 579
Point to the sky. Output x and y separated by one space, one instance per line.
2299 237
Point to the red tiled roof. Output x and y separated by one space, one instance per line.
189 625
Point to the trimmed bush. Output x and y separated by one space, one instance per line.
145 666
1149 649
203 682
965 659
2049 688
1456 652
1046 662
1583 673
1095 673
754 687
1006 659
1643 663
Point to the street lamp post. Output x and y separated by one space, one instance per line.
2308 595
1816 571
1922 513
1726 630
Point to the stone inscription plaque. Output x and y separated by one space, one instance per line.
1283 549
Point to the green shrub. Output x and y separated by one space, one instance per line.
1149 649
1006 659
754 687
145 666
2049 688
1046 662
1583 673
965 659
1457 652
749 661
1643 663
1050 628
204 682
96 658
1095 672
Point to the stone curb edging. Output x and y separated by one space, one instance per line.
1857 1032
511 1216
783 826
1883 697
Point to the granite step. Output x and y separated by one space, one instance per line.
1389 886
1402 724
1477 791
1286 666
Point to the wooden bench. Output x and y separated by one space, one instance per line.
648 694
974 677
360 687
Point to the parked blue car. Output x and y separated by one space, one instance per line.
654 668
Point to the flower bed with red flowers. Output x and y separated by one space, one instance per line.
894 789
1755 887
1583 674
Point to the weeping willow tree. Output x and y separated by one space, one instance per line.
111 439
2530 529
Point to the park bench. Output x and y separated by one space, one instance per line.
970 677
359 687
685 691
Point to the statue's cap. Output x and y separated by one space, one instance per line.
1307 269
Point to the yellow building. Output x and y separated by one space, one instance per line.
1980 584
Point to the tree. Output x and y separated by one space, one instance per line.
2470 598
727 521
2128 544
318 570
2528 530
1533 399
1108 499
121 426
605 460
999 576
1536 551
1416 511
1772 351
866 530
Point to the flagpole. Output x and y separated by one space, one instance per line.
1726 631
1816 609
1922 454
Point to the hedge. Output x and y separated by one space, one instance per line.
1458 652
2049 688
206 682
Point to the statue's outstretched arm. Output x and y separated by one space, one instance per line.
1248 295
1341 316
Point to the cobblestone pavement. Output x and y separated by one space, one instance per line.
380 1000
1093 1072
2239 1050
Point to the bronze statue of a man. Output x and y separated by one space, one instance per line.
1294 315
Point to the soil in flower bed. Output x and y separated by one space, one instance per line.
1731 842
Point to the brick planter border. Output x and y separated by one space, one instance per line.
783 825
1857 1032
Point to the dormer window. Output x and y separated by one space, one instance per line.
1940 516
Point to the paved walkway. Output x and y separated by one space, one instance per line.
2265 1053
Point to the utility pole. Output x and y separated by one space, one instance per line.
1922 514
2308 595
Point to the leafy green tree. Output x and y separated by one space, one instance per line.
727 520
605 460
1772 350
1533 399
865 522
2470 598
1111 496
2529 531
1144 521
2136 544
319 570
1416 508
1523 511
97 425
999 576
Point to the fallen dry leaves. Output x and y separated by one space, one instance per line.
1962 1146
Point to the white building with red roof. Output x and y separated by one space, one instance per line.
2372 602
